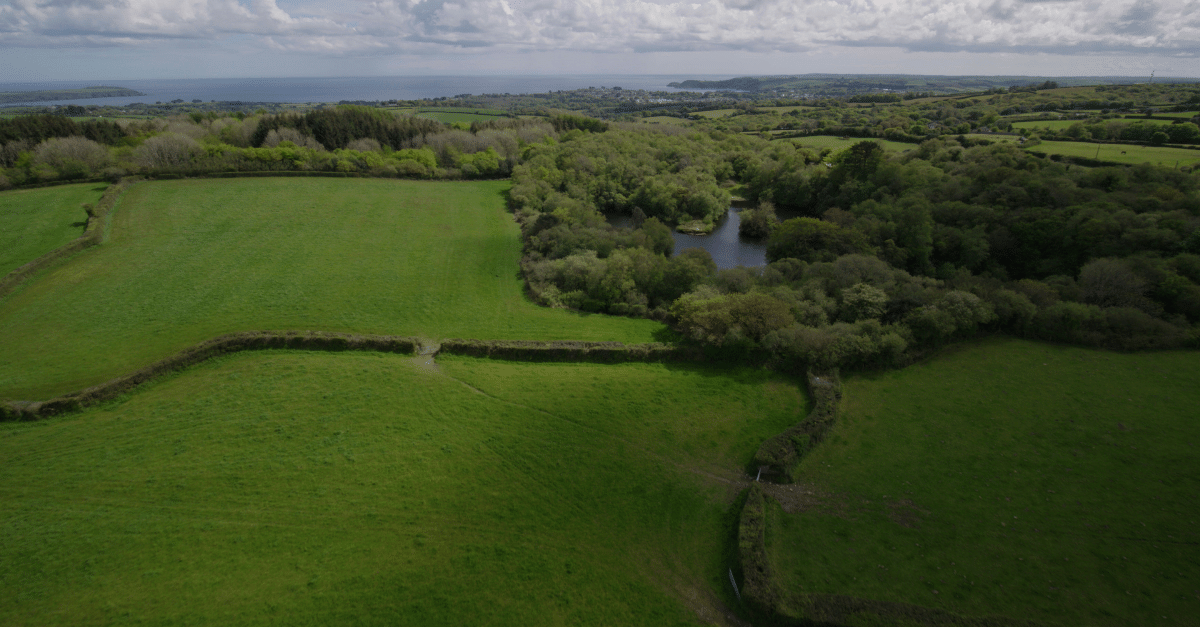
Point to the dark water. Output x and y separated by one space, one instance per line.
728 249
316 90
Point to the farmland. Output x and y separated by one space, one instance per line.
189 260
836 144
452 115
1004 475
1121 153
981 477
34 222
317 488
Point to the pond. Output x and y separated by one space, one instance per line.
728 249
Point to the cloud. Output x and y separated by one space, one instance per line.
439 26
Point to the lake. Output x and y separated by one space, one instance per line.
728 249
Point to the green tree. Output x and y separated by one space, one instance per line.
809 239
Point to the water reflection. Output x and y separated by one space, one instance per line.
727 248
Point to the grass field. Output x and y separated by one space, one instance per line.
992 137
34 222
189 260
724 113
662 119
1121 153
819 142
1059 125
315 489
1010 478
449 116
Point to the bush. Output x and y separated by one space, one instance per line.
758 223
170 150
73 157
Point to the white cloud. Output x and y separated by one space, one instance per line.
1169 27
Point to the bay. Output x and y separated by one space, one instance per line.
335 89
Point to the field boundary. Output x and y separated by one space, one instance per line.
778 457
569 350
512 350
215 347
93 235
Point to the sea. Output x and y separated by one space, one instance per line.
335 89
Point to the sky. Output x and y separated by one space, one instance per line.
45 40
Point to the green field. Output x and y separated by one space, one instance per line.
991 137
189 260
724 113
835 144
1056 125
1010 478
34 222
1121 153
450 116
662 119
1059 125
296 488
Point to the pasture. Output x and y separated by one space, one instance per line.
1056 125
1124 154
34 222
1059 125
192 259
725 113
320 488
1005 477
452 115
662 119
819 142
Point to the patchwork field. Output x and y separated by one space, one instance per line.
34 222
1009 478
189 260
374 489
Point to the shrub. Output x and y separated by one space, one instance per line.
73 157
170 150
758 223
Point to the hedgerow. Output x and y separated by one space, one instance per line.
253 340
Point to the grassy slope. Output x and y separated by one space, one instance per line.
189 260
316 488
1121 153
34 222
1050 483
